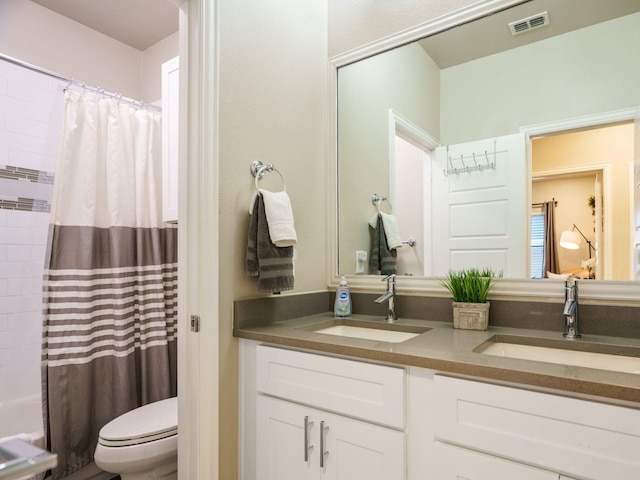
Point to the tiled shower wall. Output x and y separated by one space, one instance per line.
30 122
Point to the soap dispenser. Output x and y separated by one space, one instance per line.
342 307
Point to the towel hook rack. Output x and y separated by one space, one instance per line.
376 199
258 169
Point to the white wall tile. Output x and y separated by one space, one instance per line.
31 107
4 156
23 253
3 85
26 286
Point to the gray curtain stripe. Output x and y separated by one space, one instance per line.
111 247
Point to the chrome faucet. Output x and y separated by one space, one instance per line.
390 295
570 311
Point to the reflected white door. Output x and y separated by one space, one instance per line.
480 214
412 168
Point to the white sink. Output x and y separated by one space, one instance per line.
579 358
392 336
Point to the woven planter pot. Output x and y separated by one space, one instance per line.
471 316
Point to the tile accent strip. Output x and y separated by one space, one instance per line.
10 172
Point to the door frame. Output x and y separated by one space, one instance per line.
409 131
603 250
580 123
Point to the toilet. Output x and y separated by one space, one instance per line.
141 444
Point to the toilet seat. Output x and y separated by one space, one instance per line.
152 422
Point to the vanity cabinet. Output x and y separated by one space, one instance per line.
330 418
370 421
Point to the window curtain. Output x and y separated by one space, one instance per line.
551 262
110 286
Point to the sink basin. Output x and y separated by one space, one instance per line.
369 330
581 354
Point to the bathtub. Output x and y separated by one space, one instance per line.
22 418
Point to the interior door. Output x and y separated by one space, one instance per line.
479 206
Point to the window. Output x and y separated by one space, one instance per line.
537 245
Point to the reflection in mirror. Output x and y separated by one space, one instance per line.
415 122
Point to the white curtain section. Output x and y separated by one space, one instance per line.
110 160
110 287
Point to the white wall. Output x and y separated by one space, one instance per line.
406 80
272 108
583 72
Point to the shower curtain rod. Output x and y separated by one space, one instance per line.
72 81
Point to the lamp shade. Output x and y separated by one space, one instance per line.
570 240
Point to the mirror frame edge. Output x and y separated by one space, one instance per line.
595 292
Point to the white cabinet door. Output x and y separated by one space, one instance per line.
454 463
351 449
170 115
280 440
358 450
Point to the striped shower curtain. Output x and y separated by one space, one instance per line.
110 311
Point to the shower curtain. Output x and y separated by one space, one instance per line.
110 286
551 260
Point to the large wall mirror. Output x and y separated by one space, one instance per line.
476 137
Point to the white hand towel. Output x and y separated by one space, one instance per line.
391 230
280 218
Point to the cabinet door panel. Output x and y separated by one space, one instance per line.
358 450
280 441
454 463
571 436
357 389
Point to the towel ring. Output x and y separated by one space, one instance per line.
258 169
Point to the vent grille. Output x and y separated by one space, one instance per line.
529 23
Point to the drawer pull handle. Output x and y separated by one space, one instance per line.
307 447
323 453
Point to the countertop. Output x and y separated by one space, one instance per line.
448 350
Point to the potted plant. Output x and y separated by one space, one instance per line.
469 290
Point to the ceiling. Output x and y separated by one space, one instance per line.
491 34
142 23
137 23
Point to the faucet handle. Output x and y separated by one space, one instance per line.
568 282
390 277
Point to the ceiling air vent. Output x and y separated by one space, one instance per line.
529 23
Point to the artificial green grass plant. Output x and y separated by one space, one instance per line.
469 285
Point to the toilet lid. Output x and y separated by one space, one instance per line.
150 422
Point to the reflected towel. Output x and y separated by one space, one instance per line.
391 230
382 257
272 265
279 217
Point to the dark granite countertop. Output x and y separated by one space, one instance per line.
449 350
